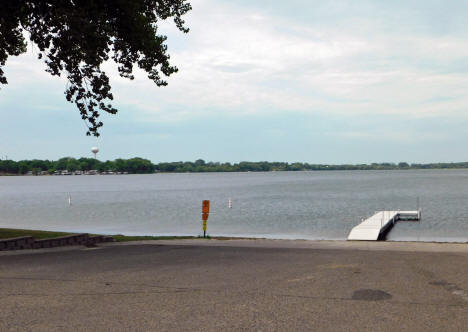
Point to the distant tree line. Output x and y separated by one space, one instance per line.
265 166
36 166
145 166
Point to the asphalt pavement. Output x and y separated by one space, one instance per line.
246 285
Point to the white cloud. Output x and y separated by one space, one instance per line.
238 60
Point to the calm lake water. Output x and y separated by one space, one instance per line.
305 205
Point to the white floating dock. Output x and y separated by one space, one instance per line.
371 228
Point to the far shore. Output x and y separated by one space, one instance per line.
330 169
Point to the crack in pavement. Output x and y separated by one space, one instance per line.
99 293
106 283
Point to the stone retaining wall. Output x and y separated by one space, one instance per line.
28 242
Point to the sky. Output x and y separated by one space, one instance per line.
327 81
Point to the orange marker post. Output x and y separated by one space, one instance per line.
205 214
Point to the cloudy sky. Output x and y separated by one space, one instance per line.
324 81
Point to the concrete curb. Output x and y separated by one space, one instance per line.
310 244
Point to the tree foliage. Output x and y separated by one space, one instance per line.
144 166
75 37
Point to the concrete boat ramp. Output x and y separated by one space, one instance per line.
372 228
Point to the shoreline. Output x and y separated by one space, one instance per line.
42 234
250 242
266 244
242 172
7 232
308 244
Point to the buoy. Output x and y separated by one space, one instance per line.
69 200
230 203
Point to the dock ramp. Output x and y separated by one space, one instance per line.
371 228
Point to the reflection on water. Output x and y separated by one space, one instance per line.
308 205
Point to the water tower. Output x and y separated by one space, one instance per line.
94 150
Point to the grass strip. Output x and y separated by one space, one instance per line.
6 233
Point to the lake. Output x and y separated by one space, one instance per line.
287 205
